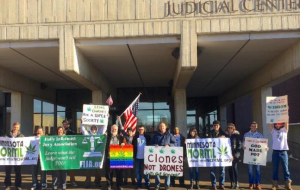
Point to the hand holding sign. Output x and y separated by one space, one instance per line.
95 115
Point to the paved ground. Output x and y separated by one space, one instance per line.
266 173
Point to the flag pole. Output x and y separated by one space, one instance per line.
131 103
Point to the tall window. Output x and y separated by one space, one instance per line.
43 116
150 114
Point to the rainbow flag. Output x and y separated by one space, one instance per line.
121 157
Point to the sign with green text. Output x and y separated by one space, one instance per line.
208 152
19 151
72 152
277 109
95 114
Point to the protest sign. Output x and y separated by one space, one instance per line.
95 114
19 151
163 161
72 152
208 152
121 157
255 152
277 109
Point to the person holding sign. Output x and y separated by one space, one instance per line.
15 133
61 174
253 133
217 133
236 146
280 147
113 139
162 138
193 134
35 168
139 142
93 131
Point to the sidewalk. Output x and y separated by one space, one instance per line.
266 174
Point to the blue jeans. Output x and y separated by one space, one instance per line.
213 176
282 156
192 170
157 181
139 165
251 174
35 170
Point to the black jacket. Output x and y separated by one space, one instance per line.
163 139
121 140
236 146
70 132
213 134
134 143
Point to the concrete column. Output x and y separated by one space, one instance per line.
22 112
223 116
180 110
97 98
259 113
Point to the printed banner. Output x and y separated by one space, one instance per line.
121 157
255 152
163 161
208 152
95 114
19 151
72 152
277 109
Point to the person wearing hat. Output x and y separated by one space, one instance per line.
280 147
253 133
217 133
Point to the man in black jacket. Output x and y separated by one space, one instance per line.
15 133
113 139
140 140
217 133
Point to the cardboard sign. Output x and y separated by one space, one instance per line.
208 152
255 152
277 109
121 157
163 161
95 114
19 151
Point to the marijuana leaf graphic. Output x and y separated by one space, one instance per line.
222 150
151 150
121 153
129 153
173 151
101 121
161 151
113 154
30 149
89 109
254 159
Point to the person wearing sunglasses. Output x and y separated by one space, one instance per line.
236 147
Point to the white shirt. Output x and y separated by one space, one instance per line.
141 143
279 139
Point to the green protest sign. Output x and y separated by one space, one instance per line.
72 152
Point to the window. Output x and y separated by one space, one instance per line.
150 114
43 115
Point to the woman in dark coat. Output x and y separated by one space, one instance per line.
236 147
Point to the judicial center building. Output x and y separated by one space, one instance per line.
193 61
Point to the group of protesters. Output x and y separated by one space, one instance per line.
163 137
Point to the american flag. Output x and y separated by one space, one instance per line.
131 115
109 100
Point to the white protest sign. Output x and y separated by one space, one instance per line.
208 152
255 152
163 161
277 109
95 114
19 151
